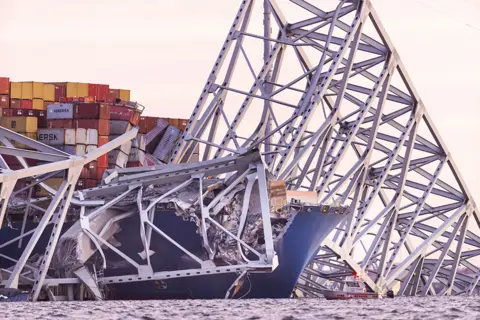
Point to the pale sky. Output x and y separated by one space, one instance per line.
163 51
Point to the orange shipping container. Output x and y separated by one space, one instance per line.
82 90
49 92
72 89
16 90
32 136
27 90
20 124
38 104
37 92
125 95
4 85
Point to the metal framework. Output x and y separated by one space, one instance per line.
320 90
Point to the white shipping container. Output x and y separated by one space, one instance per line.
81 136
126 147
70 137
118 158
51 137
91 148
80 150
139 142
92 137
60 111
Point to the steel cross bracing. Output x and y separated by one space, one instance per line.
321 91
125 192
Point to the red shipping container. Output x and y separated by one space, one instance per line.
26 104
114 94
13 161
63 100
102 92
121 113
100 172
89 171
15 103
102 161
42 118
92 90
4 102
60 92
24 113
7 112
80 184
134 164
151 123
102 140
135 119
90 183
92 111
69 99
4 85
60 124
142 125
102 125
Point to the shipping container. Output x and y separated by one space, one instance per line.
7 112
27 90
89 171
90 148
21 124
49 92
13 161
92 111
32 136
121 113
51 137
15 103
114 94
23 113
90 183
102 140
37 90
139 142
92 137
134 164
154 136
61 123
102 125
165 147
118 127
4 86
60 111
15 90
53 183
60 92
80 184
72 89
102 161
70 150
82 90
42 118
80 150
125 148
92 90
182 124
26 104
136 155
124 95
81 136
70 137
38 104
4 101
135 119
102 92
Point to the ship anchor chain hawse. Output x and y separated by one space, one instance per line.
309 159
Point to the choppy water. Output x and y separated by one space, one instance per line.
398 308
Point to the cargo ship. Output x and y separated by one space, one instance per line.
76 119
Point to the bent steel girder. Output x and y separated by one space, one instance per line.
321 91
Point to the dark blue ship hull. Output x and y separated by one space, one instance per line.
295 249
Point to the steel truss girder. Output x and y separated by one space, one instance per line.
356 131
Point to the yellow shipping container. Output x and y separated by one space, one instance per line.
82 90
16 90
20 124
125 95
38 90
38 104
28 135
72 89
54 183
27 90
49 92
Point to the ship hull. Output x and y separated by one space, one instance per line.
295 249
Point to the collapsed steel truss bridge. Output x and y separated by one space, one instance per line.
323 95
